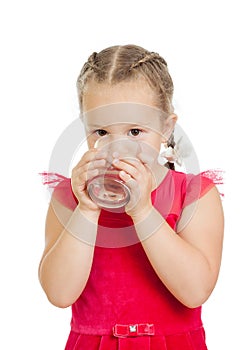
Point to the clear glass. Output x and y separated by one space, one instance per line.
107 189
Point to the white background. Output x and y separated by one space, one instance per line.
43 47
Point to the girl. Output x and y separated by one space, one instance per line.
135 279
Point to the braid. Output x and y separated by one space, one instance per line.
92 61
148 57
170 165
90 64
171 143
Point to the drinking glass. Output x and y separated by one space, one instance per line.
107 189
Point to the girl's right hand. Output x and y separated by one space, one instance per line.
88 167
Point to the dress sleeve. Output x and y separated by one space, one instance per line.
198 185
60 186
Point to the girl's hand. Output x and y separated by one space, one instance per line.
88 167
139 178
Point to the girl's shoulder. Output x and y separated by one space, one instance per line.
198 185
186 188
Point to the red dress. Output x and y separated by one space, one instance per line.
124 305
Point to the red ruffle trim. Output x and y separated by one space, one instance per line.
217 177
52 179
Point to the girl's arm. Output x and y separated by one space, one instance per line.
70 238
66 262
188 263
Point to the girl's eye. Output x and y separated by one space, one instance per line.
135 132
101 132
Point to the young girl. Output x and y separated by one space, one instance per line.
135 279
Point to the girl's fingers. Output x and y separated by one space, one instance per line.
85 176
100 163
131 182
91 155
85 171
146 159
88 163
134 168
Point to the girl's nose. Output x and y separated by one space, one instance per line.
110 139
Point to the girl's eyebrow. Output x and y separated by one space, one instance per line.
97 127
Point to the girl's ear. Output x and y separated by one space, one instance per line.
169 125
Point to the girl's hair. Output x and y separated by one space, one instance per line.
125 63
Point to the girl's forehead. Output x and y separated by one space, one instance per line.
125 113
102 94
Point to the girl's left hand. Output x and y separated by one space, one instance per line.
139 178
